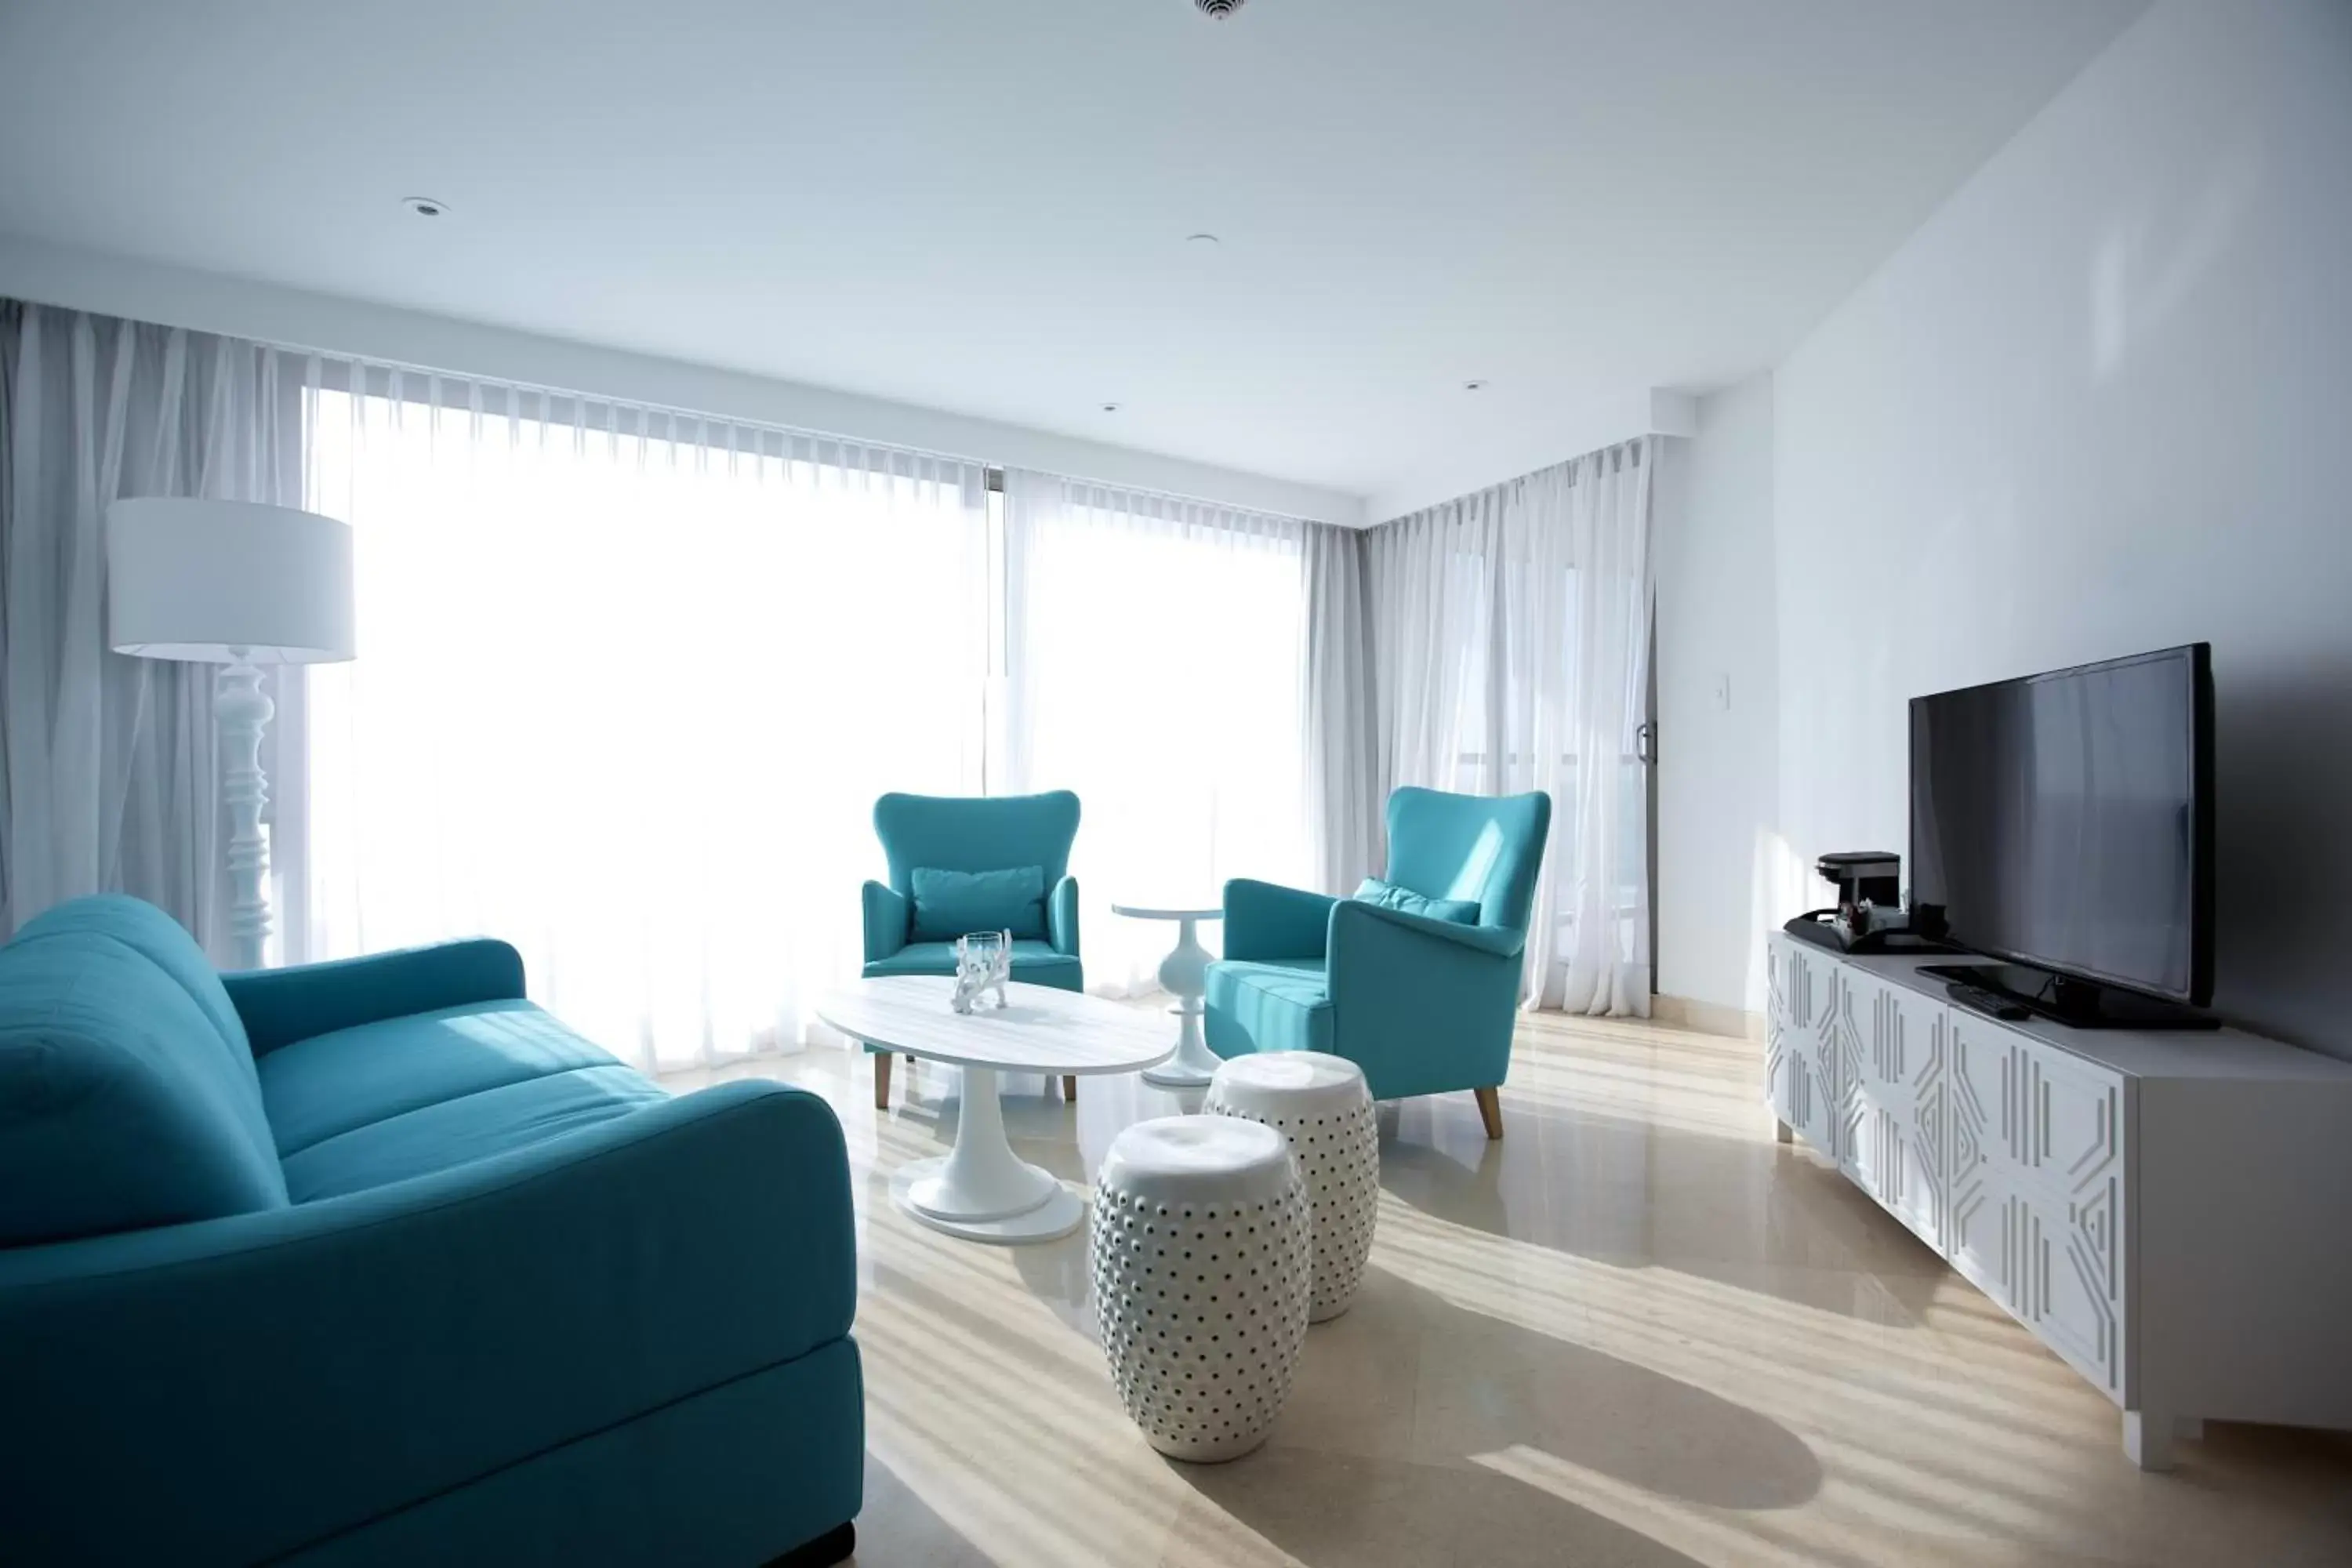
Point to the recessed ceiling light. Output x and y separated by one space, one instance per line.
426 207
1220 9
1111 408
1474 386
1203 241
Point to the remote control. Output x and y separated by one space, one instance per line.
1992 1002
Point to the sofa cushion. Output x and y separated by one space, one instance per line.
948 904
1034 962
473 1126
1389 896
1267 1004
330 1084
164 943
128 1097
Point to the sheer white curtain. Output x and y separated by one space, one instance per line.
111 780
1157 664
629 681
1510 633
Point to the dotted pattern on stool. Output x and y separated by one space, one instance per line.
1339 1155
1203 1309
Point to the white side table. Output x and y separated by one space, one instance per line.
1184 972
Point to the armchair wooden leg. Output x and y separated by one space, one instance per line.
1070 1087
881 1079
1490 1111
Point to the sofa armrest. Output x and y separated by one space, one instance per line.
260 1381
1498 941
1424 1006
1062 918
1265 919
886 913
280 1006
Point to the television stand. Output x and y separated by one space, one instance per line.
2164 1210
1998 989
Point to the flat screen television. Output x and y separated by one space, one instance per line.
2064 821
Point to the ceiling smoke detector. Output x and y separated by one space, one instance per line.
1220 9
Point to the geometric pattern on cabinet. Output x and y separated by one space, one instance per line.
1841 1043
2073 1188
1802 1054
1776 1040
2036 1180
1975 1233
1894 1095
1987 1234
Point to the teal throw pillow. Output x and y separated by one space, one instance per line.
949 904
1389 896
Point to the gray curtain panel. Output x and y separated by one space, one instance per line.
1343 787
108 774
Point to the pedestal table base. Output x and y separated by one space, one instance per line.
980 1190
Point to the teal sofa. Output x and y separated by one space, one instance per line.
958 864
1416 980
374 1262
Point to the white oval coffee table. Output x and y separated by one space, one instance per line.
980 1190
1184 974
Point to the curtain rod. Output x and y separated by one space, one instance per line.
991 474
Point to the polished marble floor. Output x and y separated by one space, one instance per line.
1636 1332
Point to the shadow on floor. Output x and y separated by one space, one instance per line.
1465 1384
1061 1276
1335 1511
1803 1225
1484 1385
1489 1404
896 1527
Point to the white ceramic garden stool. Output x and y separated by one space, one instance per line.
1201 1268
1320 1103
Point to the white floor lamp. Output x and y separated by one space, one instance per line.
238 585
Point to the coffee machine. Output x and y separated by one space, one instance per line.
1869 916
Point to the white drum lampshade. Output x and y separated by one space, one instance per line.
200 580
239 584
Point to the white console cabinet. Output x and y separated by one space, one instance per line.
2165 1210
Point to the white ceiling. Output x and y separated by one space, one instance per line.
981 207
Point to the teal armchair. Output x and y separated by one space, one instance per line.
960 863
1422 996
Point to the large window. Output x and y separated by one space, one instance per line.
1531 632
626 693
629 683
1511 632
1158 668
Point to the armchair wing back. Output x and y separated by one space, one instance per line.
1488 848
1424 1006
976 834
973 834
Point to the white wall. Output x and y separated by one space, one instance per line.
1717 703
1504 451
294 317
2101 403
